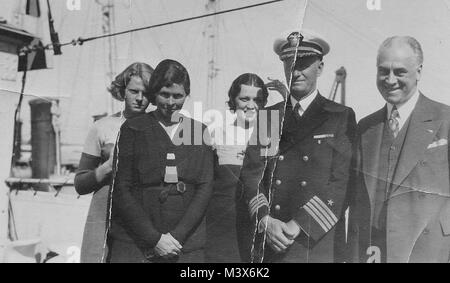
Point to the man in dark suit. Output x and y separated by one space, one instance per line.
400 211
296 197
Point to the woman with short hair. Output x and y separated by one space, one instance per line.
228 225
94 172
164 178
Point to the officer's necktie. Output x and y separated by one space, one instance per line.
394 123
298 111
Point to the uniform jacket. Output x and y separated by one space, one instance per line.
143 207
310 176
418 207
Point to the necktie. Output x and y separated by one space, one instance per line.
393 122
298 111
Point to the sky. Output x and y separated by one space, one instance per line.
244 44
355 33
79 80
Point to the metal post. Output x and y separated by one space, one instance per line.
108 26
342 75
339 81
213 32
43 140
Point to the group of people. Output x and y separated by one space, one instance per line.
333 191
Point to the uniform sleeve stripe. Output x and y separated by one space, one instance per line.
316 218
327 209
317 212
322 212
258 198
256 203
259 201
254 210
259 204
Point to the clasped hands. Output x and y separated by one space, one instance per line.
168 247
280 235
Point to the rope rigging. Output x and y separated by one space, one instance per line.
80 41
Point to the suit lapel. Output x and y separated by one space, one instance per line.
371 144
421 131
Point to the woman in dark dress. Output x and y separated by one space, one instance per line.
164 179
228 225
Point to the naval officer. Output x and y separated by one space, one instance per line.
296 197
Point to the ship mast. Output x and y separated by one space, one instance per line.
339 81
212 32
108 26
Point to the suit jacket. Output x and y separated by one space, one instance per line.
418 207
306 180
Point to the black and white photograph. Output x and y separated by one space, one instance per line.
233 132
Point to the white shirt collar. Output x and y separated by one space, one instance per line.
306 102
405 109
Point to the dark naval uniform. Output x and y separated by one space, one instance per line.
306 180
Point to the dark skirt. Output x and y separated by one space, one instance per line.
165 215
228 229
